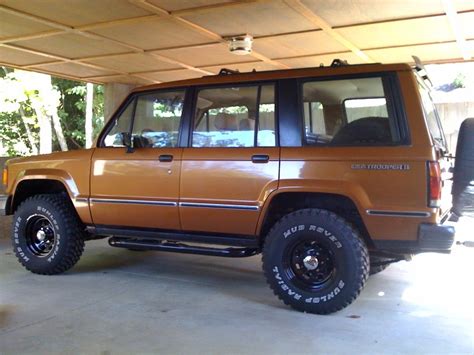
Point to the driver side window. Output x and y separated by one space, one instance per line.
155 118
122 123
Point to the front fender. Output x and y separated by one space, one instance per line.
71 169
47 174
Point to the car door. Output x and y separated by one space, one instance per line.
139 186
232 163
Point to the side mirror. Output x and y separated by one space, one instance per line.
126 139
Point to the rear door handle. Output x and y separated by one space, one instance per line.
260 158
166 158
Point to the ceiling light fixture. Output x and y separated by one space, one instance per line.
241 45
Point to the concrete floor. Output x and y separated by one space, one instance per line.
117 301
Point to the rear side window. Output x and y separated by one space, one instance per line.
235 117
431 116
348 112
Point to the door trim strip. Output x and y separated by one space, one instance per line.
174 204
219 205
398 213
134 202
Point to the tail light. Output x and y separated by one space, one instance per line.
434 184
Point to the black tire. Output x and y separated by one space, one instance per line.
341 265
47 236
374 268
463 179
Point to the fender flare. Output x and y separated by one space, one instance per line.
348 192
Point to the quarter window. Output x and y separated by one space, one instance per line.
348 112
431 116
235 117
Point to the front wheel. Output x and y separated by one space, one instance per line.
315 261
46 236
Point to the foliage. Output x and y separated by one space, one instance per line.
459 80
24 95
72 110
15 102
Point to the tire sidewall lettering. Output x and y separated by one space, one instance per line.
329 292
19 237
292 231
284 286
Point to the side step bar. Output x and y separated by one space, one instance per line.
156 234
147 244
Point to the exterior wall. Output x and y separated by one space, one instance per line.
113 96
452 115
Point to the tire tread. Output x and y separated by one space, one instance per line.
74 233
356 242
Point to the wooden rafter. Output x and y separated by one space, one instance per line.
316 20
453 20
178 17
69 29
311 55
202 30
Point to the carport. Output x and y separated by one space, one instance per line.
127 43
118 301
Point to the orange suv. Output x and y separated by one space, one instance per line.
331 173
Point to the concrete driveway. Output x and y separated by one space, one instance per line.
118 301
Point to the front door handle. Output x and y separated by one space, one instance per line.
166 158
260 158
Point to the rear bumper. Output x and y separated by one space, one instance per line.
438 238
435 237
5 205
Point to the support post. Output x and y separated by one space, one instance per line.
114 94
89 106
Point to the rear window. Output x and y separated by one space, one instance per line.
348 112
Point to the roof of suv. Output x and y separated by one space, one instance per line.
279 74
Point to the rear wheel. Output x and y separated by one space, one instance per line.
47 237
377 264
315 261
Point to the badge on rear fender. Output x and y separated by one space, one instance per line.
380 166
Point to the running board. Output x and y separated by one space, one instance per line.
175 247
157 234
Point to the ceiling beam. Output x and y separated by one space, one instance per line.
32 66
31 36
144 4
158 12
317 21
212 7
159 54
60 59
35 18
48 72
453 21
64 29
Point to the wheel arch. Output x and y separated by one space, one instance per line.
283 202
34 185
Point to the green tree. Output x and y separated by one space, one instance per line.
29 102
72 110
